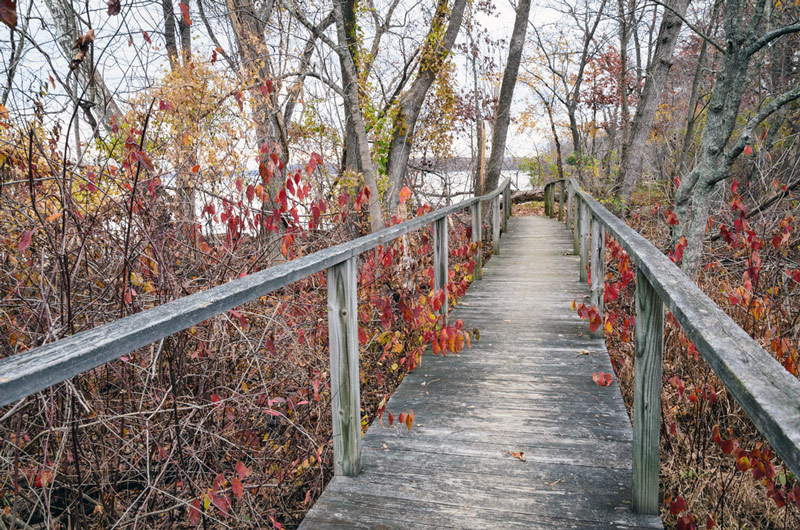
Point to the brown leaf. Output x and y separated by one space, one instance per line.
114 7
8 13
81 45
519 456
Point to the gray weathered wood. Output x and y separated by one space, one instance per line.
584 243
507 196
345 389
562 190
647 396
496 225
27 373
440 253
525 386
576 229
477 238
570 205
598 269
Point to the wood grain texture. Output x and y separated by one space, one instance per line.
584 243
345 390
562 195
440 255
576 231
647 396
526 385
598 269
477 238
570 205
496 226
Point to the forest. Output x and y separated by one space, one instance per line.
152 150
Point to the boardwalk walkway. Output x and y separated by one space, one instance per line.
525 386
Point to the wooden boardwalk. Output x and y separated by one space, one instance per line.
525 386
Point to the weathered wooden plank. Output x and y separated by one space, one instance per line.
570 205
440 255
647 396
576 230
477 239
345 390
598 271
584 244
496 226
525 385
506 210
562 194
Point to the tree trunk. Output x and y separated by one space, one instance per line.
503 115
409 105
633 151
352 106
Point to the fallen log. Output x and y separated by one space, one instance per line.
535 194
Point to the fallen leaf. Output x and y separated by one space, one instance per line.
519 456
602 378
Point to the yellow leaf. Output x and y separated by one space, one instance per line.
185 139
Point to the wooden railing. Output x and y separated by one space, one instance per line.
763 388
27 373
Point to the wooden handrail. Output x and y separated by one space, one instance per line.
763 388
29 372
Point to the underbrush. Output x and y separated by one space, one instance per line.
717 471
227 424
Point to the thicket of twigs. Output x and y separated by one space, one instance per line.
226 424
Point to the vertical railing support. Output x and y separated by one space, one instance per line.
477 232
550 202
598 271
496 225
585 222
561 199
576 227
570 202
343 343
440 275
546 200
508 199
505 209
647 396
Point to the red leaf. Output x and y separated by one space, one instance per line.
251 193
405 194
222 503
602 378
142 158
194 511
185 13
195 168
237 488
241 469
391 419
677 506
146 37
748 150
25 240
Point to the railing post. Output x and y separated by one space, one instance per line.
576 227
570 201
508 199
505 209
561 200
546 200
647 396
585 221
598 271
440 275
343 343
477 230
496 225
